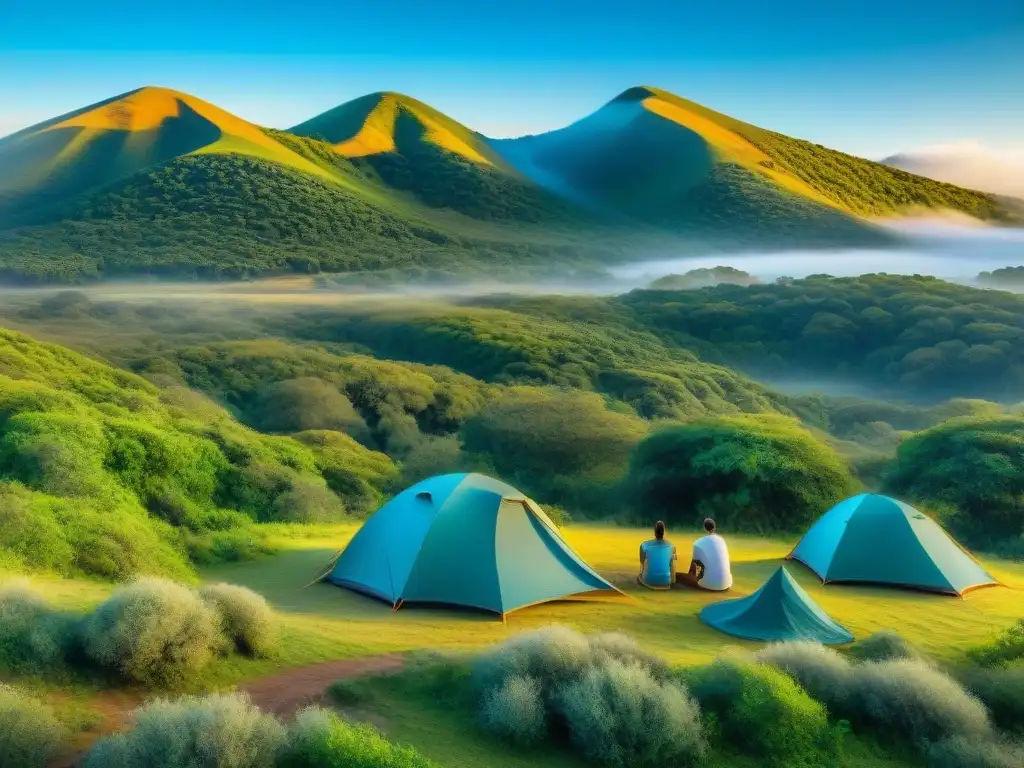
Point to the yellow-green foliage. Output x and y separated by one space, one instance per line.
245 618
762 473
761 711
103 473
320 739
29 733
152 631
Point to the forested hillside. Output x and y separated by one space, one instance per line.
552 393
919 337
157 182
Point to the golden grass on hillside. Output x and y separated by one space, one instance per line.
730 146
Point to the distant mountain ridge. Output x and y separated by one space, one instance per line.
157 181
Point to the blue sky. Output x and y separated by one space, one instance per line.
868 77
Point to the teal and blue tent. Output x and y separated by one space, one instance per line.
875 539
467 540
778 610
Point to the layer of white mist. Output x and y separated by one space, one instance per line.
940 248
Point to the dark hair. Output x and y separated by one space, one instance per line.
709 525
659 530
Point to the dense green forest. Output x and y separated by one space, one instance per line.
231 216
918 337
1007 277
317 412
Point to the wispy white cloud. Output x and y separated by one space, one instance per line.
969 163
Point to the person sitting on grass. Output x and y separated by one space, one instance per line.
657 560
709 568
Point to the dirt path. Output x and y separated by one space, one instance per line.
283 694
286 693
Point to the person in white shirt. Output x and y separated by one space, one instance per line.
709 568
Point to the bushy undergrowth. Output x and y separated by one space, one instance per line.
884 646
217 731
619 716
1001 690
763 712
963 752
227 731
320 739
152 631
905 697
914 699
29 733
515 710
245 618
1005 649
616 702
33 636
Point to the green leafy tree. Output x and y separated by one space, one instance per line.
750 473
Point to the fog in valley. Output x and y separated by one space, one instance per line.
950 250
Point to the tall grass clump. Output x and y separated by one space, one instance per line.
514 710
218 731
152 631
916 700
320 739
33 636
619 716
884 646
761 711
246 620
1005 649
29 733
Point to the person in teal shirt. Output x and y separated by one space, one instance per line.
658 560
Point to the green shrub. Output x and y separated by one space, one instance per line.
750 473
621 647
217 731
320 739
884 646
1000 689
152 631
246 619
824 673
515 711
763 712
916 701
567 447
29 733
551 656
618 716
1005 649
972 471
33 637
963 752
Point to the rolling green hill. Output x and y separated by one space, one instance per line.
159 182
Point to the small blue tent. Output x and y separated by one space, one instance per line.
875 539
468 540
779 610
